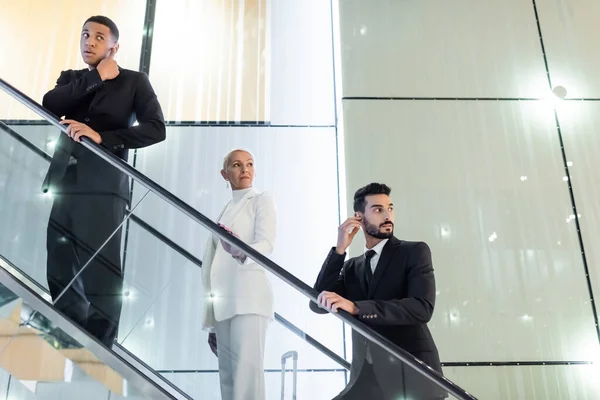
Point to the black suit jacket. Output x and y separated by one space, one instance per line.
398 304
110 108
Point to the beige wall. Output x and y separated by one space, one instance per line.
209 58
482 182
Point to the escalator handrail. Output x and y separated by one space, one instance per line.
150 229
360 327
26 290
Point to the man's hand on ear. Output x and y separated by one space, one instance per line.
108 68
346 233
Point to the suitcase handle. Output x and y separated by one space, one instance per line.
294 356
290 354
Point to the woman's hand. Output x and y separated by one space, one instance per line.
212 343
234 251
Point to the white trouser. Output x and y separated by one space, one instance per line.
241 349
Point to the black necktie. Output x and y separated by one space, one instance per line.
368 272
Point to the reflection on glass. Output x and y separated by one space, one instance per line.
36 352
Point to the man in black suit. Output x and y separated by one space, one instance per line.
90 196
391 287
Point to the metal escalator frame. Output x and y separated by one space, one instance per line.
158 388
360 327
190 257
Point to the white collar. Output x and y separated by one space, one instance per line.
237 195
379 247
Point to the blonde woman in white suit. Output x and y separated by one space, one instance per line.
238 298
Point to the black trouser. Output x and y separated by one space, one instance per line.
79 226
365 386
400 383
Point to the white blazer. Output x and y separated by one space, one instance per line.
230 287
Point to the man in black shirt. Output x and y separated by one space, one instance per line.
101 102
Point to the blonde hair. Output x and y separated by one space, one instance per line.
228 156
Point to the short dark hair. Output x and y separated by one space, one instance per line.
360 195
102 20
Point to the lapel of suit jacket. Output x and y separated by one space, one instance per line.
386 256
223 210
213 239
359 264
100 93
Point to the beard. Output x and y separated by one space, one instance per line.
375 231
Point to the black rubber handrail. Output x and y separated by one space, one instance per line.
360 327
